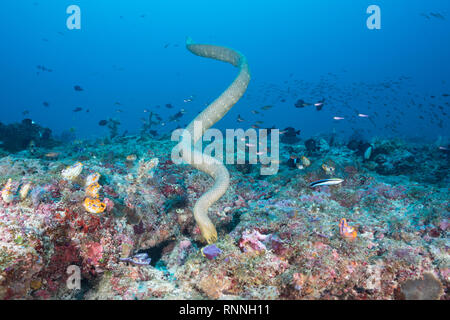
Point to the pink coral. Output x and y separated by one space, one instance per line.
109 204
251 241
93 252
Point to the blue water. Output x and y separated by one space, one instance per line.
133 52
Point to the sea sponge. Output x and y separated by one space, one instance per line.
207 118
92 190
94 205
428 288
24 190
72 172
92 178
7 195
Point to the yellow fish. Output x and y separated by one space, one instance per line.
328 169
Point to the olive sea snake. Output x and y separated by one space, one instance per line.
207 118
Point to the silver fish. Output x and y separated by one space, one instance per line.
326 182
140 259
368 153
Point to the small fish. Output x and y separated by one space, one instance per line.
78 109
319 105
102 123
305 161
338 118
25 112
190 99
45 104
44 68
28 122
368 152
346 231
169 106
266 107
301 104
131 158
361 115
326 182
328 169
255 112
78 88
177 116
437 15
52 155
140 259
239 119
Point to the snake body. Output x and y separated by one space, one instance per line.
207 118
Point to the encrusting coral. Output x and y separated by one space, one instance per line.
213 113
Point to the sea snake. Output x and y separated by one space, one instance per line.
213 113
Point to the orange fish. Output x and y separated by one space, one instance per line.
346 231
131 157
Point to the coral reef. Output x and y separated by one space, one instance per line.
278 237
16 137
